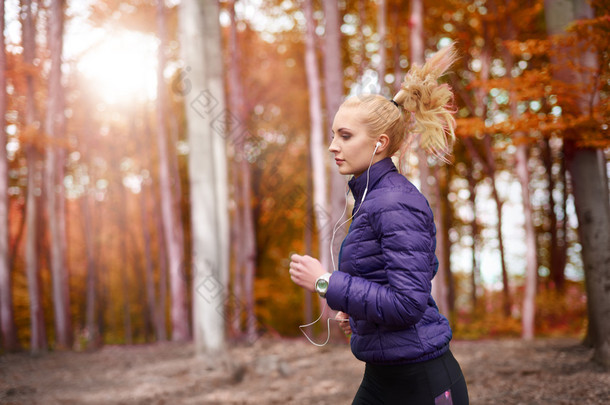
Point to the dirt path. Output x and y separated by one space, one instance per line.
290 372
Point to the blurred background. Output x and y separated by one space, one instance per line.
164 158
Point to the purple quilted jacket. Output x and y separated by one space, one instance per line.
386 266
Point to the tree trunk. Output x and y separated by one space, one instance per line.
397 21
333 92
521 142
38 338
250 252
416 23
490 169
92 329
149 278
447 217
161 307
556 248
308 237
54 126
587 168
174 241
145 199
506 299
7 316
237 284
247 247
382 32
361 37
563 254
124 251
171 130
443 244
86 200
478 109
317 149
531 270
475 275
236 102
206 118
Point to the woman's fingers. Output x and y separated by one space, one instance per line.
343 320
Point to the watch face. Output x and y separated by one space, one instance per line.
322 285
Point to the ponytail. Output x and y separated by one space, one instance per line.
430 104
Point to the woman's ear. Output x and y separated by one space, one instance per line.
384 141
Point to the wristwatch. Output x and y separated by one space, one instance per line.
321 285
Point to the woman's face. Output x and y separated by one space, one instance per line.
351 144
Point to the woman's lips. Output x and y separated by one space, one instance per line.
339 161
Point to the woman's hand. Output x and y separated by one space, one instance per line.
343 320
305 270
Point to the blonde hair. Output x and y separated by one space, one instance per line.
427 109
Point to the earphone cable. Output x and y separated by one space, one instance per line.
332 256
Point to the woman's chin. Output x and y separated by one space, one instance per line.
345 171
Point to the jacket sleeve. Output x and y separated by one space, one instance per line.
404 225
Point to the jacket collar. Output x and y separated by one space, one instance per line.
376 172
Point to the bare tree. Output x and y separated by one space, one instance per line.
333 95
522 156
161 303
396 19
531 270
382 30
123 248
38 339
557 246
444 215
242 173
89 232
206 118
145 197
316 142
174 240
587 168
490 168
7 317
474 226
54 126
92 327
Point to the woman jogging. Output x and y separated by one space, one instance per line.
387 260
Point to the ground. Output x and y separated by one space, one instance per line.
282 371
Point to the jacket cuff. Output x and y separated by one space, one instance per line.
336 296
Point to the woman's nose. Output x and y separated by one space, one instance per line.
333 147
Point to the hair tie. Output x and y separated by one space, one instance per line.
395 103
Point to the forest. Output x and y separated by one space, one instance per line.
164 158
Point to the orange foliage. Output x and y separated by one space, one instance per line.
557 314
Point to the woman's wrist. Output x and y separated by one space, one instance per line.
321 284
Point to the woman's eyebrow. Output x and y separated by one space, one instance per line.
343 129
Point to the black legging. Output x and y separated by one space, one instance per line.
434 382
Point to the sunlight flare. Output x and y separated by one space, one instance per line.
122 67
